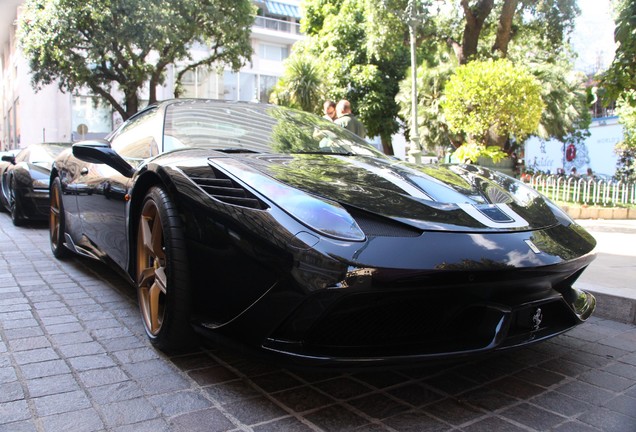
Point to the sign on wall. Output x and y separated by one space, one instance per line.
596 152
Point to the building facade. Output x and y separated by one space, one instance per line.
50 115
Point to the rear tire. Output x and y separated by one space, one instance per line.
162 275
14 206
57 224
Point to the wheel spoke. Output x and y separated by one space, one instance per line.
156 277
146 277
154 306
146 233
161 280
151 275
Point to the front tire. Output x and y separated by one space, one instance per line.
161 271
57 224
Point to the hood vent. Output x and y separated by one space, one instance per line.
220 187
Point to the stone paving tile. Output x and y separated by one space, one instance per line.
74 357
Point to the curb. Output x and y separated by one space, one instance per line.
581 212
614 307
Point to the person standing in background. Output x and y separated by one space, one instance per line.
347 120
329 109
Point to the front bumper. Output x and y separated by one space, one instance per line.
395 328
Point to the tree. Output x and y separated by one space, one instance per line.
492 101
528 33
301 85
476 29
621 75
126 44
489 26
340 35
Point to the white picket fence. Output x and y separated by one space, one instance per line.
585 191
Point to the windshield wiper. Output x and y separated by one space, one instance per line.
236 150
330 153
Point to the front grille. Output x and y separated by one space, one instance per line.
398 322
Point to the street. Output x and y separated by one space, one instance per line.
74 357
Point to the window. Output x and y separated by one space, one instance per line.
273 52
91 118
230 86
267 83
247 86
137 140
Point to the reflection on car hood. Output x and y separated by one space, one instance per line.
429 197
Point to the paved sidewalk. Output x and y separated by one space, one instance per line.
74 357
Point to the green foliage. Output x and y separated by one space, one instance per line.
343 37
626 109
473 151
548 21
493 100
566 101
301 85
479 29
123 44
537 40
621 76
626 149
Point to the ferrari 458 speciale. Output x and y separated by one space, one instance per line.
276 230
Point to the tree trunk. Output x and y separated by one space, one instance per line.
152 91
387 145
132 105
494 139
475 18
504 29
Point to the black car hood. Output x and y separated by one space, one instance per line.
429 197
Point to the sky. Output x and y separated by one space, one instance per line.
593 37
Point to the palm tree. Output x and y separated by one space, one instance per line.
300 86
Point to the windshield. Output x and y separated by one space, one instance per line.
244 127
44 154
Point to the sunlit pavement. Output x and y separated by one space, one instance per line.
612 276
73 357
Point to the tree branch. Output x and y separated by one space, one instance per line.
475 18
504 29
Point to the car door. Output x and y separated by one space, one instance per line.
103 205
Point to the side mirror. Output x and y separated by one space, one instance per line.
100 152
9 158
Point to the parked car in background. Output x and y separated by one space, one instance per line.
24 181
5 163
273 229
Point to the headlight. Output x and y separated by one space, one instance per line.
325 216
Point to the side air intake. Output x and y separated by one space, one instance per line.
222 188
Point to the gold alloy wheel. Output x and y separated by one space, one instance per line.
151 268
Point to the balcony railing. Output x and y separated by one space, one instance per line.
590 191
277 25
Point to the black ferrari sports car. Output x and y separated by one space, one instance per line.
24 181
269 228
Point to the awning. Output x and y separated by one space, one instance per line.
282 9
